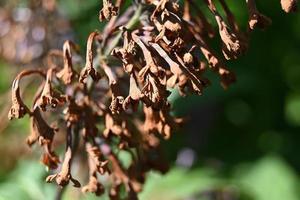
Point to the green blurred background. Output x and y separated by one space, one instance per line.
239 144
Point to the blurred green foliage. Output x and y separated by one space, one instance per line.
246 138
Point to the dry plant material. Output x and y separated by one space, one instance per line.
289 5
89 68
133 64
48 95
256 19
67 74
108 10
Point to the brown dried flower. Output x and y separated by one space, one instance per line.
64 176
67 74
95 166
89 68
18 108
49 96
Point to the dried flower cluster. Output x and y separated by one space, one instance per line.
119 100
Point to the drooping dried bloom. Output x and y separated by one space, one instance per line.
67 74
64 176
48 95
42 133
18 108
134 63
96 165
89 68
233 44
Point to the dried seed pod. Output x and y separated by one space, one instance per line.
41 131
116 104
182 75
95 157
72 112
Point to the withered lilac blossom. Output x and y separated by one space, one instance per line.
67 74
89 68
119 99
